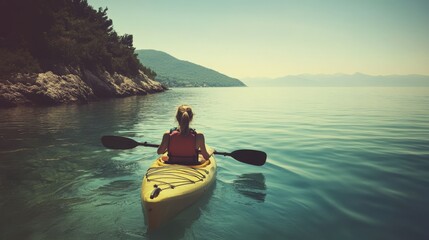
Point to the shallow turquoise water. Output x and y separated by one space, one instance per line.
343 163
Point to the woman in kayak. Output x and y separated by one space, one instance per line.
183 143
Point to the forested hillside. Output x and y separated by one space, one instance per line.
41 35
75 45
173 72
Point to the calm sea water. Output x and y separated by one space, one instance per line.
343 163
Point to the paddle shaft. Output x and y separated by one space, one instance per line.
237 155
222 153
148 144
248 156
157 145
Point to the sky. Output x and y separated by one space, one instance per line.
275 38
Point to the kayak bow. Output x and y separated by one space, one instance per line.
167 189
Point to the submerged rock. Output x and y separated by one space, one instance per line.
72 86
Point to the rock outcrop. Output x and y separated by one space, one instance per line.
72 86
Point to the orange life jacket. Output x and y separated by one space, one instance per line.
182 149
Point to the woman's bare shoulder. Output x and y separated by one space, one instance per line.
200 134
167 133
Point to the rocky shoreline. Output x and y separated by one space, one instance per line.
72 86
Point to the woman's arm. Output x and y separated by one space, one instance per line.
205 151
163 147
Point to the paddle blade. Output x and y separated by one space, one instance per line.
252 157
116 142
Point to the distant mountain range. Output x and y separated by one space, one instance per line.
173 72
342 80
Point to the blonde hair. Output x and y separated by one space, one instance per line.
184 117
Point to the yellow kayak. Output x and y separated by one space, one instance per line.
167 189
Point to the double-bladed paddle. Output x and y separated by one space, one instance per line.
252 157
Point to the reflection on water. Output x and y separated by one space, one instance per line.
251 185
52 163
353 159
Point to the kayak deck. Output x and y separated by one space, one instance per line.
167 189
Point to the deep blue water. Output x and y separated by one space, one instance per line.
343 163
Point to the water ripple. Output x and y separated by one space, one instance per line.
342 163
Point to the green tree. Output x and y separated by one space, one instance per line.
41 35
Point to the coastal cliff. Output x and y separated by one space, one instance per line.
54 52
72 86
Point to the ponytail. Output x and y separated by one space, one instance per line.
184 123
184 117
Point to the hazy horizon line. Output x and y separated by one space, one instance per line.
338 74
